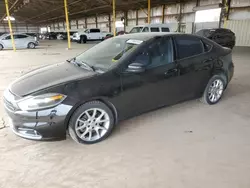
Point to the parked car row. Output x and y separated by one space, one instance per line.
56 35
224 37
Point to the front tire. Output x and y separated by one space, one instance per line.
91 123
1 47
214 90
83 39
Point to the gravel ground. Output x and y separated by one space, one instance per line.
189 145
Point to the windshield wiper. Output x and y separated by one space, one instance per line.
87 65
82 63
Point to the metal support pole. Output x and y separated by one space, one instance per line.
136 17
109 23
96 22
114 18
149 11
67 22
125 20
86 22
10 26
163 14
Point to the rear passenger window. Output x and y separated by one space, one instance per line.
94 30
165 29
155 29
20 36
188 46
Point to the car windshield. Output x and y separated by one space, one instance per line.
3 36
136 30
104 55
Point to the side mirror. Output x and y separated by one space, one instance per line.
136 68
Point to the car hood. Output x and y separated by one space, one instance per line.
48 76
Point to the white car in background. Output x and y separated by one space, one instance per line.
89 34
21 41
150 28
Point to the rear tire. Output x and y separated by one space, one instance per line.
1 47
91 123
31 45
215 89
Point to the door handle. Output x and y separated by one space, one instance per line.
171 71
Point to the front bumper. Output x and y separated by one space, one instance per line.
45 124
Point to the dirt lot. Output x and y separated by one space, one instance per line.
189 145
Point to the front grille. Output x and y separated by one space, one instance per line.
9 100
9 105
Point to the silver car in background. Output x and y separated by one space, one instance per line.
21 41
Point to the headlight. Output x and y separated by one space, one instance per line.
41 101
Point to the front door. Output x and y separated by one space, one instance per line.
7 42
156 86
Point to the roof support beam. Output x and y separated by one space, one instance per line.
12 6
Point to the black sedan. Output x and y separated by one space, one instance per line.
117 79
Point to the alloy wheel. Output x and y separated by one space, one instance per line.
31 45
92 124
215 90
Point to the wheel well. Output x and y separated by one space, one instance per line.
83 36
224 74
106 102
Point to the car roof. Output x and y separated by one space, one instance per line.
147 35
154 24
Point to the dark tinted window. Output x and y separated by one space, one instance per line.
188 46
161 52
155 29
136 30
8 37
94 30
165 29
145 29
157 54
20 36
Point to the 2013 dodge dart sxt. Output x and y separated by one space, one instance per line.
117 79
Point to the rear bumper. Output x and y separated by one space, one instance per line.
230 72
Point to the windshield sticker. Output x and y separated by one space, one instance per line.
134 41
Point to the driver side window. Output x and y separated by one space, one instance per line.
8 37
157 54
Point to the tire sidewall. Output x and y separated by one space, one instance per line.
30 47
79 111
84 39
215 77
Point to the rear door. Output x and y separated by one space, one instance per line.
195 64
95 34
21 41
